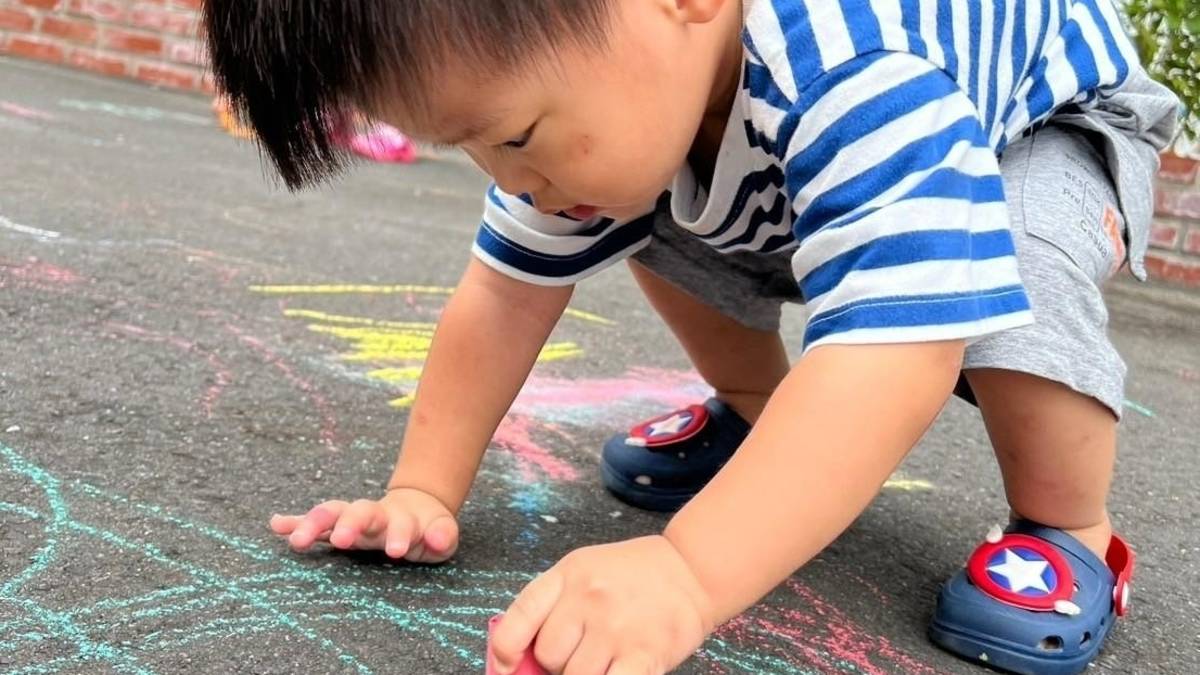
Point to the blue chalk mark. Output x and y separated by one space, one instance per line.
282 594
281 600
1139 408
20 510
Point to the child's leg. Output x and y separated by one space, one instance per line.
1056 449
743 364
724 309
1051 393
1043 596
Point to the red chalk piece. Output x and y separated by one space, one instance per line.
528 665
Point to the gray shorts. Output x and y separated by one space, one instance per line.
1079 190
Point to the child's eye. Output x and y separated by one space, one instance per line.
521 141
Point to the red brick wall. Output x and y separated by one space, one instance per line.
150 40
1175 238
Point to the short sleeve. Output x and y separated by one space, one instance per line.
899 208
552 250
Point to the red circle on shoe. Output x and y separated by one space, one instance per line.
671 428
1022 571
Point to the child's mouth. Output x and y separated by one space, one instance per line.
582 212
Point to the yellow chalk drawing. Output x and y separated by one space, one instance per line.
406 343
395 289
908 484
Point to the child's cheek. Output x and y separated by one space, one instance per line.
585 146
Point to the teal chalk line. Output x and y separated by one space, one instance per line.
287 597
1139 408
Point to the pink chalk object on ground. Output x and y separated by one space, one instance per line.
383 143
528 665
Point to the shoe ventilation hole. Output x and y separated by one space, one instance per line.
1051 643
1087 637
643 480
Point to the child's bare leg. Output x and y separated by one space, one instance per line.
1056 449
743 365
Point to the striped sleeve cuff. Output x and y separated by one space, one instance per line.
552 250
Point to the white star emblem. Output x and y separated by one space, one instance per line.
671 425
1021 573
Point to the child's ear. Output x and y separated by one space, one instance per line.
698 11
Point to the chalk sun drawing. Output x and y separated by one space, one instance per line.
394 352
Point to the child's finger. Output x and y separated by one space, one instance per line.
316 521
440 535
399 536
524 618
354 520
281 524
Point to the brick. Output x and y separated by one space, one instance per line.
17 19
188 52
159 20
135 43
1191 243
1165 235
1178 169
73 30
193 5
1177 203
46 5
207 84
1173 268
35 48
97 62
101 10
168 76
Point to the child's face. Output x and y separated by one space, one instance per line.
596 131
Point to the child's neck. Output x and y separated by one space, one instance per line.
703 155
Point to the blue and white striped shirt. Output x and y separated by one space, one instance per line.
863 142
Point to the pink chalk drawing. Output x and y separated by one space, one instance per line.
608 401
548 406
328 432
221 372
515 434
17 110
211 260
36 273
820 636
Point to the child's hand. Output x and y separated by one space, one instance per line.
406 523
629 608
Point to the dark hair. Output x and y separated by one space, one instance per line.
292 69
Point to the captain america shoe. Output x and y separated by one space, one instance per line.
663 462
1033 600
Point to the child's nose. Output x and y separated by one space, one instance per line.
517 179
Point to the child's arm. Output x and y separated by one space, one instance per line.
835 429
832 433
489 336
486 343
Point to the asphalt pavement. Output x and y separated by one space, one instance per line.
186 348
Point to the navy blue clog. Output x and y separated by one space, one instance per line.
1033 600
663 462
